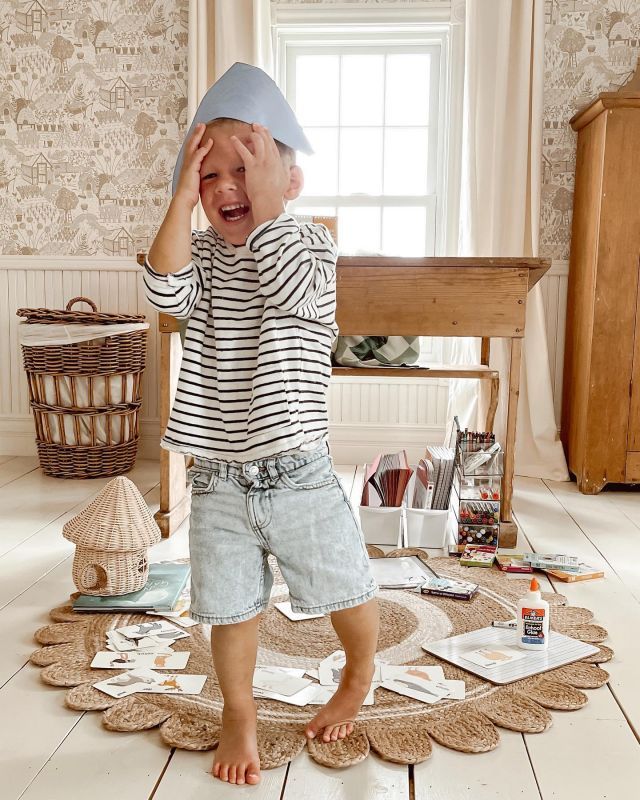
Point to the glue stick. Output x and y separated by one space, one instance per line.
533 619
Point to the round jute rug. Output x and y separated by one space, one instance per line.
397 728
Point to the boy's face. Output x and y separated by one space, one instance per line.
222 183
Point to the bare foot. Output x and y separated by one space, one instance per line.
236 758
335 718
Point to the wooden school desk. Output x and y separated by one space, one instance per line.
480 297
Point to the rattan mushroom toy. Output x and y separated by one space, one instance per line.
112 535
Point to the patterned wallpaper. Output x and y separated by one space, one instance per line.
93 107
591 46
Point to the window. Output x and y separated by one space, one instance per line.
373 102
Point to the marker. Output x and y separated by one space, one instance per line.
511 624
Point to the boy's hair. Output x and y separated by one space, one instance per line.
288 154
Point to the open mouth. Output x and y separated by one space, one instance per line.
234 212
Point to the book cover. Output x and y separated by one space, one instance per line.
513 563
161 592
445 587
552 561
478 556
585 573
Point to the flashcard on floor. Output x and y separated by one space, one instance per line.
126 684
301 698
492 656
312 673
177 619
330 669
296 616
177 684
323 694
390 672
417 688
147 644
275 679
162 630
457 689
135 660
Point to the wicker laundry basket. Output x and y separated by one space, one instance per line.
85 387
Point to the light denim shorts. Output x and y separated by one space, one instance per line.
292 506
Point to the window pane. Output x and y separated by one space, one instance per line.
362 87
321 169
404 231
317 90
361 161
359 229
405 160
407 98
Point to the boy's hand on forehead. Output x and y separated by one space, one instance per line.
188 187
266 177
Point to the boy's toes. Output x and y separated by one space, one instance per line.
252 774
232 773
311 731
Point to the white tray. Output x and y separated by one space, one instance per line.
562 650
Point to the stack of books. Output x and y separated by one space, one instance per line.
165 593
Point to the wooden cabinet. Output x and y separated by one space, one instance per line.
601 393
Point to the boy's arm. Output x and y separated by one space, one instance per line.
176 293
171 249
296 267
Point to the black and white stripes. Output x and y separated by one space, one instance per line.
256 361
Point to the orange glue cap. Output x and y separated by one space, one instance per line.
534 586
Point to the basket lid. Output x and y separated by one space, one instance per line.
67 315
117 519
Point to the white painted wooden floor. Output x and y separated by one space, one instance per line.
48 752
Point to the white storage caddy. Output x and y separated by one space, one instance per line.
383 525
425 527
403 526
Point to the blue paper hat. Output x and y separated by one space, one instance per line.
249 95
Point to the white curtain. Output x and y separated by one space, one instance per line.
500 206
222 32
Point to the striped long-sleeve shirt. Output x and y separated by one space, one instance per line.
257 353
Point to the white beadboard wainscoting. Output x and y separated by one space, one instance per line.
367 415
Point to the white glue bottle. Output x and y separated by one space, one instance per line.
533 620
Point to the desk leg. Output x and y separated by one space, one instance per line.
174 497
508 529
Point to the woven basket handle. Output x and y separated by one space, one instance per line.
94 307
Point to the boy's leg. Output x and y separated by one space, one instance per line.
357 629
234 648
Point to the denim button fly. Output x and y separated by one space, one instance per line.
253 469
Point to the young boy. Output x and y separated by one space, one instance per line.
259 292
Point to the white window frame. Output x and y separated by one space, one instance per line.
309 29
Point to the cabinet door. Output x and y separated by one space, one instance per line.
633 439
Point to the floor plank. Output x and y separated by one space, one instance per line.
16 467
110 765
551 529
502 774
611 530
371 779
35 722
34 500
561 755
32 558
188 776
